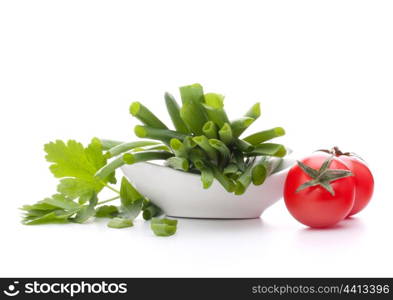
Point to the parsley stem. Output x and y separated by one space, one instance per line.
112 188
108 200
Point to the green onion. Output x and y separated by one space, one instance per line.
263 168
259 174
197 154
210 130
120 223
207 176
143 114
156 147
269 149
124 147
244 180
194 117
260 171
163 227
178 163
192 93
203 142
254 112
214 100
189 143
265 135
178 148
192 112
217 115
151 211
226 182
133 158
174 112
222 148
239 159
109 168
213 105
230 169
108 144
243 145
225 134
240 125
163 135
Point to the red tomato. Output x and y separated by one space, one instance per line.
364 180
315 206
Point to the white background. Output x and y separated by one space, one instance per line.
70 69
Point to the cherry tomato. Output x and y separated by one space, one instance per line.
364 180
324 203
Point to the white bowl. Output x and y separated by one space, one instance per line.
180 194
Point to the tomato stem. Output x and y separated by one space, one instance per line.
322 177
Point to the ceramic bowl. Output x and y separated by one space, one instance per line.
180 194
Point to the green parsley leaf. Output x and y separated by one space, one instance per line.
61 201
57 209
131 200
87 211
77 166
57 216
107 211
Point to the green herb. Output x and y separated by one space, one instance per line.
144 115
120 223
265 135
124 147
86 211
207 175
107 211
56 209
174 112
214 107
225 134
240 125
163 227
192 111
254 112
131 200
203 142
163 135
108 144
151 211
178 163
178 148
77 166
210 130
269 149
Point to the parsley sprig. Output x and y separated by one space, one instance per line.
79 187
